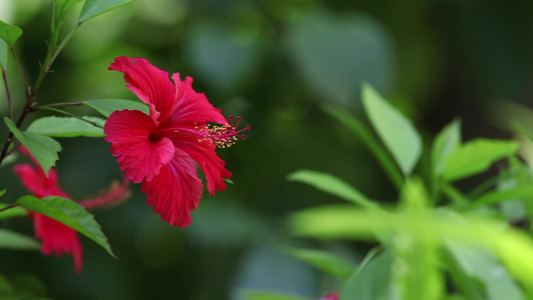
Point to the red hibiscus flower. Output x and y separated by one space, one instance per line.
160 150
56 237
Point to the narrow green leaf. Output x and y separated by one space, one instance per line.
363 133
333 185
481 265
325 261
445 142
9 33
268 295
44 149
12 212
3 192
372 281
394 129
499 196
66 127
108 106
4 54
69 213
93 8
14 240
476 156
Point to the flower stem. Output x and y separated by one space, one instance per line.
8 92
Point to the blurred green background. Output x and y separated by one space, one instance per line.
274 62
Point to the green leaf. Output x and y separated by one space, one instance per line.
325 261
481 265
108 106
4 54
372 281
69 213
43 148
93 8
445 142
498 196
66 4
67 127
476 156
267 295
331 184
12 212
395 130
9 33
17 241
364 134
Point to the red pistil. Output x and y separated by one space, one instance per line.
224 136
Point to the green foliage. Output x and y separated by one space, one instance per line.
69 213
476 156
445 143
107 106
363 133
93 8
324 261
9 33
485 258
14 240
44 149
480 275
67 127
65 5
395 130
373 279
331 184
4 54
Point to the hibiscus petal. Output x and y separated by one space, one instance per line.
150 84
175 190
35 180
203 152
141 158
57 238
191 107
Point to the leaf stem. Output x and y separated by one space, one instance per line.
8 207
8 92
61 104
68 114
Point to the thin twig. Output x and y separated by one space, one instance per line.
61 104
8 92
8 207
